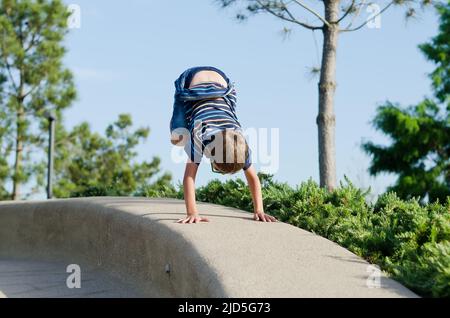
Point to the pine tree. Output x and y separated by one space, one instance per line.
35 81
420 150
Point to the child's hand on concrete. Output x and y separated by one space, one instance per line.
192 218
261 216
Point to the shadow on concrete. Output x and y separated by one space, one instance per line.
38 279
354 259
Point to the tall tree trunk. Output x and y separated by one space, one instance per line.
326 120
20 116
18 155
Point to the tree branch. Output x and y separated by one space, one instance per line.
348 11
34 38
365 23
8 67
293 20
358 12
313 12
287 11
32 42
31 91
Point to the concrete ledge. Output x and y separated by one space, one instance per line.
137 241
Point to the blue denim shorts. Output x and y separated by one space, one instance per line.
183 98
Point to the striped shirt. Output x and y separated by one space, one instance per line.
208 116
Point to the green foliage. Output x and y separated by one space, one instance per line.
432 261
162 188
96 191
6 145
33 81
407 239
438 51
232 193
89 164
419 153
420 150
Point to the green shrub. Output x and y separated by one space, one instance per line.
159 190
97 191
427 270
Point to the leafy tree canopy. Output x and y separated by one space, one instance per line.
88 163
33 81
420 150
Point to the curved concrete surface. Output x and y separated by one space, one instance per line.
136 243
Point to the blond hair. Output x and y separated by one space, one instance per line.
228 151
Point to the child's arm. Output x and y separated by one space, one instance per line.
255 188
189 195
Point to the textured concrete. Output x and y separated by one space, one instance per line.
136 243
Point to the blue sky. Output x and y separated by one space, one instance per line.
127 54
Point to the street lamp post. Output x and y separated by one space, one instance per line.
51 148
